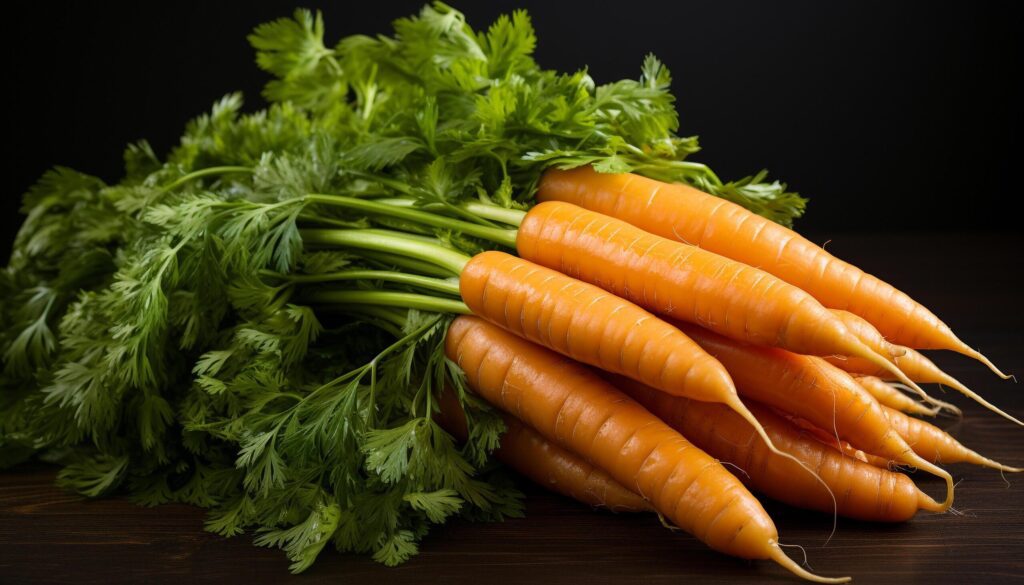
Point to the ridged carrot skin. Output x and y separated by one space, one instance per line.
685 214
831 441
684 282
547 464
935 444
591 326
813 389
571 406
886 395
861 490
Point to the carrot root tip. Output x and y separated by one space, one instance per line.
779 556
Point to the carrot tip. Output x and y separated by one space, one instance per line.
925 465
927 503
776 554
973 353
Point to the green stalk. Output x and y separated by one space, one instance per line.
395 260
205 173
382 298
495 212
492 212
501 236
389 243
446 286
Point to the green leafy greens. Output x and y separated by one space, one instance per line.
254 324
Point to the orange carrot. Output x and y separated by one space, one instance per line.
811 388
682 213
919 369
862 490
547 464
685 282
867 333
823 436
886 395
592 326
935 444
571 406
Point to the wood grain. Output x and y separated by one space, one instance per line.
973 281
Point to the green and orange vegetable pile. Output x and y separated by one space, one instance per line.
329 320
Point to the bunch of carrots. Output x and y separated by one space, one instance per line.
647 331
474 221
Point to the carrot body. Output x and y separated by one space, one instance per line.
935 444
862 490
572 407
813 389
547 464
592 326
832 441
867 333
886 395
682 213
684 282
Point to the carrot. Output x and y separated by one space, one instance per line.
886 395
935 444
592 326
547 464
862 490
682 213
811 388
824 437
867 333
685 282
572 407
919 368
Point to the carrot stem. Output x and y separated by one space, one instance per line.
208 171
501 236
382 298
389 243
446 286
489 211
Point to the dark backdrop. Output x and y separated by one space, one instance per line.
889 115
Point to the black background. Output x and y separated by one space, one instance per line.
889 115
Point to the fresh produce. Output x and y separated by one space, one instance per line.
918 368
526 451
687 214
852 488
937 445
265 321
573 407
684 281
870 336
813 389
887 395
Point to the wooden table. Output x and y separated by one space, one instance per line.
974 281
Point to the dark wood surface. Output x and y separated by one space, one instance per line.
974 281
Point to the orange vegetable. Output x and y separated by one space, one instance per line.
919 369
527 452
861 490
886 395
571 406
935 444
813 389
867 333
684 282
592 326
685 214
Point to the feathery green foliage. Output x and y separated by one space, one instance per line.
156 334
